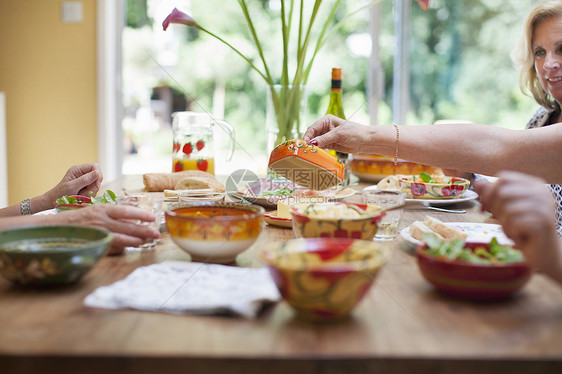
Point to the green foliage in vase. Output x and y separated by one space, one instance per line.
303 34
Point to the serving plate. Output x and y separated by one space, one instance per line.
46 212
373 168
466 196
272 219
271 201
476 233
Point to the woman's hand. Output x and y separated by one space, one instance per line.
119 219
526 210
340 135
78 180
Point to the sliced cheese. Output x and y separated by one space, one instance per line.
284 205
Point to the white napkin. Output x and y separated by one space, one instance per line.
189 287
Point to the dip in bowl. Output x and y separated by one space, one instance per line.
51 255
335 219
214 232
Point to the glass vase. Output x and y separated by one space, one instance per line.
286 114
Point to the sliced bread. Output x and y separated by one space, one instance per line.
418 228
447 232
197 183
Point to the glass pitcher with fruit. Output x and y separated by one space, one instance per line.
193 147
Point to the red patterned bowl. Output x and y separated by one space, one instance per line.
323 279
308 224
373 168
214 232
472 281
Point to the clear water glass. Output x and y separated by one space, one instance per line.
148 202
389 224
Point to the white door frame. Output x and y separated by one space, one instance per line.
401 71
110 23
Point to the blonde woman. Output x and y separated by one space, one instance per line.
479 148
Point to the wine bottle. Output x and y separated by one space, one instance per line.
336 108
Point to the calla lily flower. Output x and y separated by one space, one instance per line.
177 16
424 4
286 102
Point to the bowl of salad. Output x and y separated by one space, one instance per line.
475 271
70 202
427 186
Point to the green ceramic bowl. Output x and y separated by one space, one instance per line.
51 255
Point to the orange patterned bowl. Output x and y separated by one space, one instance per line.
323 279
214 232
313 220
306 165
373 168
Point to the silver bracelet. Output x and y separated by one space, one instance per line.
25 207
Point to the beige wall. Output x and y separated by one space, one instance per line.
48 72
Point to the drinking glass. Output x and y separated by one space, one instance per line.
388 225
151 203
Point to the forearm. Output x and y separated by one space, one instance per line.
437 145
18 221
474 148
37 204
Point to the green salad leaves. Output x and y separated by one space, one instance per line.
284 191
456 250
108 197
427 178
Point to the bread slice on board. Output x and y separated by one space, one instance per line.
418 228
197 183
157 182
447 232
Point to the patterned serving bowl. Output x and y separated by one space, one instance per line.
51 255
373 168
442 188
466 280
306 165
309 223
214 232
323 279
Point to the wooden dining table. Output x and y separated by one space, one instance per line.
403 325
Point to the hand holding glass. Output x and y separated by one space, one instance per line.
148 202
